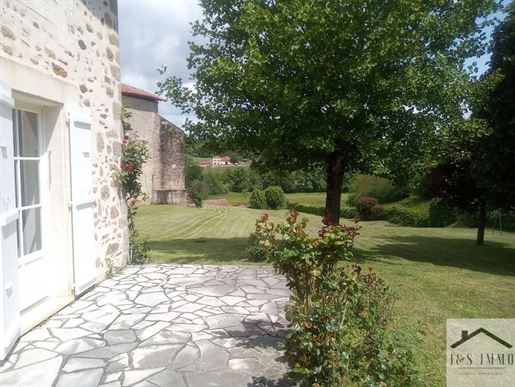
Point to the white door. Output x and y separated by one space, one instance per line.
84 253
28 152
10 321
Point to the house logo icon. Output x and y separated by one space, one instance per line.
465 336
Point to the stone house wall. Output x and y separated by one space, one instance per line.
163 175
66 52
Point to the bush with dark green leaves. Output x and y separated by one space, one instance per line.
346 212
255 250
257 199
214 182
197 192
495 219
368 208
139 252
378 187
339 333
352 199
405 217
275 198
440 214
241 179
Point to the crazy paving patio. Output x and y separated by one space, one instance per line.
162 325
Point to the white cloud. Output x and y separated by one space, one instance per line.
154 33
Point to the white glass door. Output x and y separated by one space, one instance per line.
27 166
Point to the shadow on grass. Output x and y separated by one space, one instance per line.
493 257
200 250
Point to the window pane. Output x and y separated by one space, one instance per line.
15 134
18 238
16 181
31 221
28 134
29 182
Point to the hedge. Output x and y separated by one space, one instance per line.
345 212
406 218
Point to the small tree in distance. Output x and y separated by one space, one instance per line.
454 183
335 83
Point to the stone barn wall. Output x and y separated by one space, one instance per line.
144 120
172 163
163 175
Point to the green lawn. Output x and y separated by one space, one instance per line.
413 204
437 273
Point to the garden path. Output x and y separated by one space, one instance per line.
162 325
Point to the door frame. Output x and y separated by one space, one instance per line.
23 260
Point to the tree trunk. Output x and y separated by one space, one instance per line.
335 171
482 223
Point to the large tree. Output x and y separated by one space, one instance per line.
495 160
340 83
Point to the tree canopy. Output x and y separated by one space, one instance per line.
338 83
495 164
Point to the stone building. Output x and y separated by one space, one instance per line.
163 174
62 215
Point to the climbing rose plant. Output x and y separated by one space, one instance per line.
134 156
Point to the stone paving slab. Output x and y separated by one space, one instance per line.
162 325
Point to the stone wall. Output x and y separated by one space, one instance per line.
143 121
74 44
172 163
163 175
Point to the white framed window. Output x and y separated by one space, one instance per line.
28 145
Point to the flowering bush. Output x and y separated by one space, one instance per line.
135 154
338 316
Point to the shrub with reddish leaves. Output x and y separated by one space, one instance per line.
369 208
338 314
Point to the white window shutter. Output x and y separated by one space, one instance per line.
10 321
84 252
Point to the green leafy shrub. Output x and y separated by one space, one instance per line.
257 199
352 199
378 187
255 250
241 179
275 198
192 170
468 219
197 192
368 208
139 251
346 212
214 182
339 316
404 217
507 220
440 214
307 209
